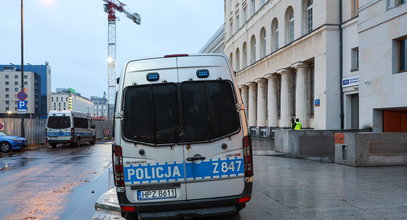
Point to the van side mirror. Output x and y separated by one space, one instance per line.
117 80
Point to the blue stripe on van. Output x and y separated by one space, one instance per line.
174 172
64 134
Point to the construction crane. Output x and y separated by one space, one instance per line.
110 7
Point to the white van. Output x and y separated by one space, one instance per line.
69 127
181 148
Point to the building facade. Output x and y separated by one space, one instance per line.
286 54
69 99
37 84
305 59
100 107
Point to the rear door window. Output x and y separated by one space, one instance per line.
151 113
209 110
59 122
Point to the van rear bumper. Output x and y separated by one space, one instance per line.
197 208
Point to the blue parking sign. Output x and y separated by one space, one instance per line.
22 106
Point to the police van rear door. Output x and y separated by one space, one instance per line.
211 128
153 162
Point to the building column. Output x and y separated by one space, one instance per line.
252 104
261 102
286 107
301 103
272 101
245 97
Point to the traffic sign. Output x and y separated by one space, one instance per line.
22 96
22 106
1 126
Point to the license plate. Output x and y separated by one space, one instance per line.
156 194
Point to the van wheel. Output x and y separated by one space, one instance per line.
93 141
78 142
5 147
53 145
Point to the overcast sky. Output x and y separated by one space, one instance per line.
72 35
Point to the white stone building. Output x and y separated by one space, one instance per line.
305 58
383 65
71 101
286 54
100 107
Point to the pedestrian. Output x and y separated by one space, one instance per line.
298 125
292 123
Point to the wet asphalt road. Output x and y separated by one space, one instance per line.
60 183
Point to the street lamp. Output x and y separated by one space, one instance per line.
22 61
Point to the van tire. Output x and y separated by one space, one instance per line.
93 141
5 147
53 145
78 142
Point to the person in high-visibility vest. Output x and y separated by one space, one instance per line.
298 125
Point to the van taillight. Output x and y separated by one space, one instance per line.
117 159
73 132
248 156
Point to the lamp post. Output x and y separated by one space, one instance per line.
22 61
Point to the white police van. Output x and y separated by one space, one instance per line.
69 127
182 148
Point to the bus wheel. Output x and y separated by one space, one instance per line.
53 145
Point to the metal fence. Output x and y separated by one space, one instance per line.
35 128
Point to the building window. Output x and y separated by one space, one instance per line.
57 99
237 21
355 59
290 25
244 15
7 89
15 89
400 55
252 49
25 77
274 37
7 96
7 108
231 59
231 28
355 8
263 41
308 16
252 7
6 76
7 102
15 76
237 62
244 58
394 3
52 99
16 83
6 83
25 83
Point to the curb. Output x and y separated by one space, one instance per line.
108 201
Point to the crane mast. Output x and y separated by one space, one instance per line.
110 7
